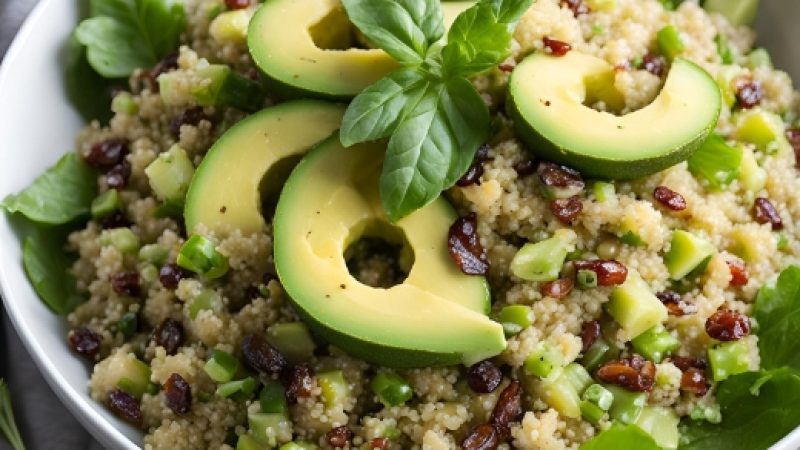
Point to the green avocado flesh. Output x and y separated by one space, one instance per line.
547 101
225 193
305 48
437 316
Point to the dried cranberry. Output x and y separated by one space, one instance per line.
557 289
738 271
655 64
262 357
484 377
169 334
465 247
106 154
339 437
609 272
378 444
507 409
178 394
727 326
687 362
576 6
117 177
793 134
507 67
675 304
589 334
482 437
555 175
525 167
191 116
171 274
694 380
748 92
237 4
84 341
167 64
669 198
299 382
556 47
475 171
765 212
125 406
567 210
633 373
126 283
116 219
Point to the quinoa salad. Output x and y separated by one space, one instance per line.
494 224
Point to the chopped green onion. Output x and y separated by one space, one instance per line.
334 387
391 389
669 42
587 279
599 353
273 399
541 261
8 426
154 254
206 300
246 387
203 397
200 255
106 203
515 318
123 239
627 405
153 388
724 49
128 324
716 163
728 358
656 343
543 360
222 366
293 340
596 400
759 58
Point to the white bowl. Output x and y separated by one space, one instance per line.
39 125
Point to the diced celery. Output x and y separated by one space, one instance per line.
207 299
586 279
154 253
764 129
724 49
716 163
670 42
603 191
106 203
170 174
656 343
334 387
728 358
199 254
627 405
270 429
598 354
246 387
391 389
230 26
246 442
661 424
759 58
634 306
128 324
752 177
123 103
738 12
134 376
222 366
293 340
543 360
562 390
541 261
228 88
123 239
515 318
273 398
149 273
687 254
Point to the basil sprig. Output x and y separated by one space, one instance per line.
434 118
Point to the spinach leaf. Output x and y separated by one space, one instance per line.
758 409
87 90
123 35
404 29
621 436
59 196
777 310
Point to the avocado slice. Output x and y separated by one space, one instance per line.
306 49
225 193
437 316
687 253
547 97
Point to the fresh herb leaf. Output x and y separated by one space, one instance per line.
8 426
621 436
59 196
510 11
476 42
87 90
123 35
404 29
758 409
777 310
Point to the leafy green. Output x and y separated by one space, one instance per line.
758 409
8 425
59 196
87 90
434 118
621 436
777 310
123 35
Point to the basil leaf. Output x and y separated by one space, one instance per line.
758 409
476 42
124 35
379 109
59 196
404 29
621 436
443 130
777 310
87 90
509 11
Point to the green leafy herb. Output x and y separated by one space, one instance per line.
59 196
434 118
777 310
758 409
123 35
8 426
87 90
621 436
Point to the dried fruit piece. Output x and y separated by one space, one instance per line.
465 246
727 326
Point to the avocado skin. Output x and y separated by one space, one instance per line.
595 167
